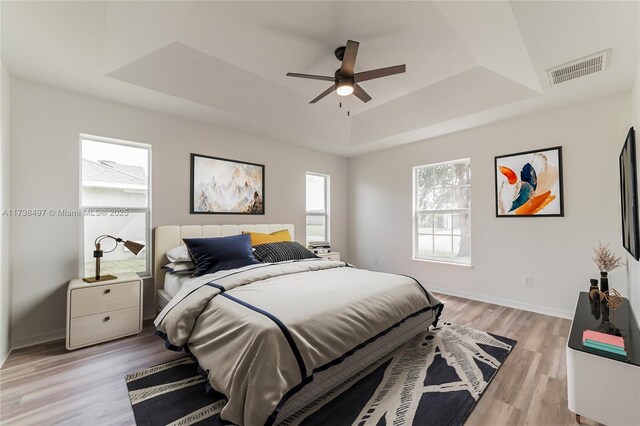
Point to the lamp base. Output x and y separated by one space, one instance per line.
102 278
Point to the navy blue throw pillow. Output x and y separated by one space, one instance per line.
220 253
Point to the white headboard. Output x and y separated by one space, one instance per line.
170 236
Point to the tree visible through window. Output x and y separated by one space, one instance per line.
442 212
115 189
317 207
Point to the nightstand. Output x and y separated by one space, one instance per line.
102 311
334 255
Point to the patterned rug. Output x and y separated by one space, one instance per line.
436 378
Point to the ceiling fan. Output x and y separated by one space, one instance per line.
345 81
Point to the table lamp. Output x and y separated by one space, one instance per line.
134 247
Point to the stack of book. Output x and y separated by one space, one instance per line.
320 247
604 342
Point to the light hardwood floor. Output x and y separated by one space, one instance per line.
45 384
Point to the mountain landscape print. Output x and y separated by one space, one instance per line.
222 186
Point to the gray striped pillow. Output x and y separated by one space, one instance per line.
281 252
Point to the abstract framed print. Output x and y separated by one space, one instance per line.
529 183
223 186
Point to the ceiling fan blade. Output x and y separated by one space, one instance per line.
380 72
310 76
361 94
349 58
323 94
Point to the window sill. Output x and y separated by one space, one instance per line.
443 262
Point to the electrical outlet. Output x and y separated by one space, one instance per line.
527 280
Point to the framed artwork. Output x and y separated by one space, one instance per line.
629 196
529 183
223 186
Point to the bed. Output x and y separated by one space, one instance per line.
273 337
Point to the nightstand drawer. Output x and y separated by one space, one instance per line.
334 255
108 325
104 298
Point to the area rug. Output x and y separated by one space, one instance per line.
437 379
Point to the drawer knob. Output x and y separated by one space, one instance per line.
105 319
107 291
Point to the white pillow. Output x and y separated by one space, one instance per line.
180 267
179 254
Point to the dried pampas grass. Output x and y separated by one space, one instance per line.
604 258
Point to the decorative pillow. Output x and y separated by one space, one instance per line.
274 237
281 252
180 268
220 253
179 254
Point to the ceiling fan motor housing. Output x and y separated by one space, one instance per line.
342 79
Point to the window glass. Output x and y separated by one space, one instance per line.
317 207
442 216
115 189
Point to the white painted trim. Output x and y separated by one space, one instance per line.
6 357
505 302
36 339
60 334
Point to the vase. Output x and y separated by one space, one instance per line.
604 282
595 307
594 293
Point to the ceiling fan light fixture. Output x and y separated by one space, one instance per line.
346 81
345 88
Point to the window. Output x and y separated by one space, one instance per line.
317 207
115 200
442 212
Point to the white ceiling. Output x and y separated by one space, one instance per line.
468 63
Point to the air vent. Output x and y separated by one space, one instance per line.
578 68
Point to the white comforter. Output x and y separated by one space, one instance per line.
261 331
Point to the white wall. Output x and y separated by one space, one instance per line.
5 276
555 251
46 122
634 265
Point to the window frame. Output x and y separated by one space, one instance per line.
148 273
327 206
416 215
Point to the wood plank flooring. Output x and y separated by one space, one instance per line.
45 384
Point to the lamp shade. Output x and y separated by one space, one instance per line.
134 247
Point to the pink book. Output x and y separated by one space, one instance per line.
603 338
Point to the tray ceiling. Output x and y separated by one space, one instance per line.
468 63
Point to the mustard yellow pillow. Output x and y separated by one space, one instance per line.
274 237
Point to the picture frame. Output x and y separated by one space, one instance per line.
629 196
225 186
529 183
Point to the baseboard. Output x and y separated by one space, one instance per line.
36 339
49 336
5 357
60 334
505 302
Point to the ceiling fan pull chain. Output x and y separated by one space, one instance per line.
340 104
348 113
